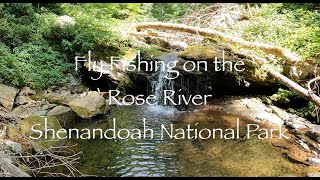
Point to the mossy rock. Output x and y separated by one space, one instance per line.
200 53
38 123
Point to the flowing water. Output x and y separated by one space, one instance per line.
177 157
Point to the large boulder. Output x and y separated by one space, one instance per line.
38 123
89 106
7 96
64 114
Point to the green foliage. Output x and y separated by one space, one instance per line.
166 11
37 52
291 25
282 96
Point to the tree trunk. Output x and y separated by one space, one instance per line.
295 87
268 49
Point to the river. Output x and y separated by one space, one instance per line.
173 157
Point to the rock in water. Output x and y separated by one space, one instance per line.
40 124
89 106
65 115
7 96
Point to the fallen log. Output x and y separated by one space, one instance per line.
267 48
304 93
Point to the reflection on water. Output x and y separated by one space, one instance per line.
169 157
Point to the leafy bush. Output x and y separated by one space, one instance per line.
290 25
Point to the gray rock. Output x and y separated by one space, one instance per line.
314 161
294 126
304 146
315 153
26 91
44 102
48 106
22 100
313 174
65 116
89 106
7 96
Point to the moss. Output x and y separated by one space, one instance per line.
152 52
52 123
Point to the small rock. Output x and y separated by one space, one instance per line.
22 100
313 135
313 174
315 153
26 91
54 88
294 126
304 146
314 161
16 147
297 154
301 138
48 106
44 102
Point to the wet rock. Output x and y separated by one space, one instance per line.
89 106
65 116
7 96
314 161
313 136
264 116
313 174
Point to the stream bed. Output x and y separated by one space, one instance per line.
179 157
